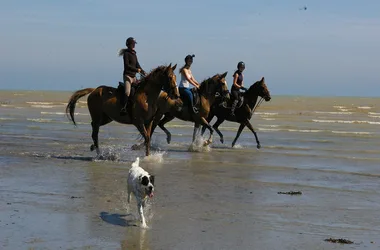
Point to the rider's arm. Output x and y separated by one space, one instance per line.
236 76
139 69
190 78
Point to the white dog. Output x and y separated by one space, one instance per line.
141 184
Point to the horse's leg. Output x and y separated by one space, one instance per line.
94 135
167 118
241 127
205 123
249 125
209 118
95 131
216 127
195 132
141 127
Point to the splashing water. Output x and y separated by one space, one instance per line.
238 146
156 157
108 154
198 145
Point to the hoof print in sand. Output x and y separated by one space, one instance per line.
291 193
341 241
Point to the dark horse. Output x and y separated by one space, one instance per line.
243 113
104 103
207 93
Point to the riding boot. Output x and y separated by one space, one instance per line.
123 110
233 107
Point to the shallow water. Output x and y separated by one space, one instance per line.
55 193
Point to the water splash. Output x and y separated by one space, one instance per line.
238 146
108 154
156 157
198 145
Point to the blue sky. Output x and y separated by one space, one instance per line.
332 48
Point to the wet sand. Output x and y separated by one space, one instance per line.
54 193
199 204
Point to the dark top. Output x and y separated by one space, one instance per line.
239 81
131 64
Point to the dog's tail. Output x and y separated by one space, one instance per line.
136 163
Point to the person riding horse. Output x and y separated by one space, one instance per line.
187 78
237 85
131 67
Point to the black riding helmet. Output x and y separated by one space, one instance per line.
241 64
130 40
189 57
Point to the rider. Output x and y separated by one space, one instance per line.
131 67
237 85
187 78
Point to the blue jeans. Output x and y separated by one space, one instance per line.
187 93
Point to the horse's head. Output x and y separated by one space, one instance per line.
259 88
170 81
215 86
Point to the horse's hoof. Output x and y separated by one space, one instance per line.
168 139
222 140
258 146
92 148
206 143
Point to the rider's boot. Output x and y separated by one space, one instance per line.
233 107
123 110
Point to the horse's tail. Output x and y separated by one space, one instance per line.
70 108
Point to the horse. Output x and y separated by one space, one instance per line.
243 113
208 91
104 104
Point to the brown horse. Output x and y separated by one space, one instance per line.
243 113
207 93
104 103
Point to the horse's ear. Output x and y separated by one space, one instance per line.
170 65
174 67
224 75
262 79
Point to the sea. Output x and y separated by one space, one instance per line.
57 194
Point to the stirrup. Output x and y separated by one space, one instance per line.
195 110
123 111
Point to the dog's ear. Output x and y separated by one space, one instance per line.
151 178
144 180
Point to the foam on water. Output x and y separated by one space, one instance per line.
352 132
364 107
266 113
40 103
60 113
43 106
333 113
348 122
39 120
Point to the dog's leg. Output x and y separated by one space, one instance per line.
141 213
129 190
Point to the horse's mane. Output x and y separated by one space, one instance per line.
152 75
251 88
205 83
